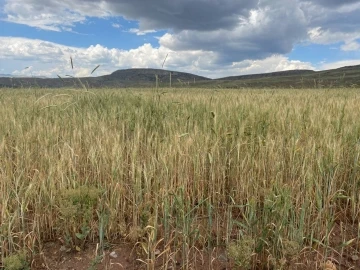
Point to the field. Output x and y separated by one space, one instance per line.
185 178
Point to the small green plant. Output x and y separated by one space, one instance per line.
17 261
95 261
77 210
241 252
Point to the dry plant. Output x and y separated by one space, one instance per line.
192 170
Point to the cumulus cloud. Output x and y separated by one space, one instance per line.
351 46
227 30
270 64
51 15
156 14
200 15
50 59
182 14
36 54
332 21
261 35
321 36
338 64
247 28
333 3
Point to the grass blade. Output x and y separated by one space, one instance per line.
95 69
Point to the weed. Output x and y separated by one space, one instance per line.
77 211
17 261
242 252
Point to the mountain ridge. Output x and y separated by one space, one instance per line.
346 76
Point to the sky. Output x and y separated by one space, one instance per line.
212 38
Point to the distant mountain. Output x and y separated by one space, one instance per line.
18 76
348 76
139 77
136 77
148 75
271 74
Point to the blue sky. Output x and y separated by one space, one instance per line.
109 32
207 37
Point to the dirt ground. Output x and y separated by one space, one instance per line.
55 257
344 256
120 256
123 256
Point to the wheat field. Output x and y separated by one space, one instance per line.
265 175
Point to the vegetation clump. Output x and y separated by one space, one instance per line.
77 213
242 252
17 261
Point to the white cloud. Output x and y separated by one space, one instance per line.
116 25
270 64
229 30
338 64
332 21
49 59
351 46
155 14
139 32
53 15
321 36
25 72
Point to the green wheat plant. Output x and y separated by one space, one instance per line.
260 176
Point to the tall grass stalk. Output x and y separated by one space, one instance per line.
192 170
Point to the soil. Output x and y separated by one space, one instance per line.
123 256
344 256
120 256
55 257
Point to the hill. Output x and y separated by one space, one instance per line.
348 76
136 77
271 74
139 77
